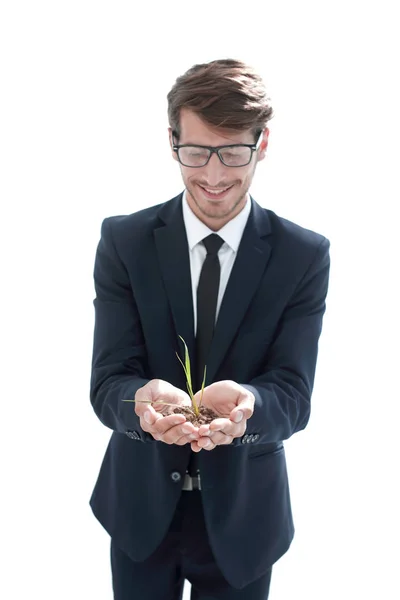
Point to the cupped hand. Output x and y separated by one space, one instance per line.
155 416
234 404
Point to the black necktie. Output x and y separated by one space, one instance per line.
207 295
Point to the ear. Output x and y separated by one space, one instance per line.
264 145
171 142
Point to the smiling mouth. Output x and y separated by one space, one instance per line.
215 193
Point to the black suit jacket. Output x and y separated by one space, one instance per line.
266 339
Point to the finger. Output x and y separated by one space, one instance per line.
205 443
195 446
221 425
202 444
157 425
243 410
225 427
149 418
163 424
204 430
221 439
142 407
186 439
177 433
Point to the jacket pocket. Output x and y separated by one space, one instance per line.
265 451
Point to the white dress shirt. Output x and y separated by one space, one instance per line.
196 231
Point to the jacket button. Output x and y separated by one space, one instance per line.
244 438
255 437
175 476
133 435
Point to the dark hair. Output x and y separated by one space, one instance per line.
226 93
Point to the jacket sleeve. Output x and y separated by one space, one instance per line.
283 390
119 353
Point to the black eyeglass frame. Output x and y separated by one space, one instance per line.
216 150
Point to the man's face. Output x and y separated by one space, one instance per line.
216 193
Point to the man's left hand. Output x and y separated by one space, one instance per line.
234 404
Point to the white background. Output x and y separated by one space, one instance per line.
84 136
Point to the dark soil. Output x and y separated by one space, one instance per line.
205 417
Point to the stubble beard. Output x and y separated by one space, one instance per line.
217 213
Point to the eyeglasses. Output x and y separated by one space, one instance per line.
234 155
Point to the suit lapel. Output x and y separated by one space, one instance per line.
250 264
173 254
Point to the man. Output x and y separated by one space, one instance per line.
209 504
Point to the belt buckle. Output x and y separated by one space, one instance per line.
191 483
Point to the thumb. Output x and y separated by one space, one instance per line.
142 408
244 408
145 411
143 401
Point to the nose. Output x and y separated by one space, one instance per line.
215 172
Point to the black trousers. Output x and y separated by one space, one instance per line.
184 554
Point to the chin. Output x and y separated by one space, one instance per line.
214 208
217 211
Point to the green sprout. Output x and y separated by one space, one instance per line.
187 369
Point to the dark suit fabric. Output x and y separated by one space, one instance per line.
266 339
184 553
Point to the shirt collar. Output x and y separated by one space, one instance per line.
231 233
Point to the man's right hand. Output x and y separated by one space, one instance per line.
154 417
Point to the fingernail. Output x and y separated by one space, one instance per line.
238 417
147 417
